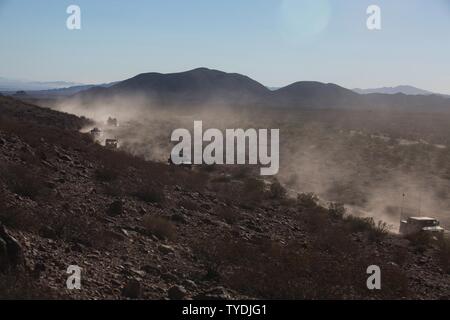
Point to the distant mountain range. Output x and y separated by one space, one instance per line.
16 85
46 89
204 87
409 90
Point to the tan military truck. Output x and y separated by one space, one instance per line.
414 225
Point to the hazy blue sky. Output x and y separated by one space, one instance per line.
273 41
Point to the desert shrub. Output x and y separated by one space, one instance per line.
253 191
228 215
159 227
150 194
315 220
209 168
336 210
241 173
221 179
277 191
195 181
375 231
189 204
25 181
18 218
111 165
75 228
106 174
444 254
22 287
359 224
400 255
113 189
307 200
380 230
116 208
420 240
295 272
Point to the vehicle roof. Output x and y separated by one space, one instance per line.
421 218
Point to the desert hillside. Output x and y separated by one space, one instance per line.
146 230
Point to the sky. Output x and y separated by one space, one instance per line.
275 42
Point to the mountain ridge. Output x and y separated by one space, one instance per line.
203 87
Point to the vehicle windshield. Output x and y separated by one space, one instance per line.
430 223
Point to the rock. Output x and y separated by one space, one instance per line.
132 289
177 293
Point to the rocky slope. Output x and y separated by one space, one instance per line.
151 231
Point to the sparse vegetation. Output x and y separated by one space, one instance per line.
444 254
189 205
25 182
228 215
159 227
19 287
277 191
375 230
150 194
307 200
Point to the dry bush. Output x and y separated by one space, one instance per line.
150 193
107 174
307 200
189 205
228 215
75 228
159 227
252 193
314 220
376 231
420 240
241 172
194 181
20 287
444 254
18 218
221 179
336 210
277 191
269 270
25 181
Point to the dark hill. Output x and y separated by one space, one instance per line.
204 87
